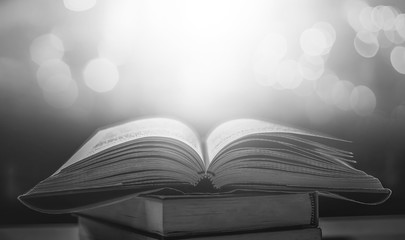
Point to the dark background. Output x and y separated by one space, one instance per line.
38 135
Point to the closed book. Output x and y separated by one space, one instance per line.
90 229
183 215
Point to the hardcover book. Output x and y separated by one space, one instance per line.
148 155
181 215
91 229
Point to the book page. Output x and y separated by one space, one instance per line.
230 131
152 127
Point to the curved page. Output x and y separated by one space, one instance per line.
230 131
152 127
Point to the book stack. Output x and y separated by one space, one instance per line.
224 216
246 177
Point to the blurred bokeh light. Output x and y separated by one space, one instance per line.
46 47
101 75
398 59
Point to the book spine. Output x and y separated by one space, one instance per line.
315 209
205 184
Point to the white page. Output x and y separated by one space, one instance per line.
228 132
152 127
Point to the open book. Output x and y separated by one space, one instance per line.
156 153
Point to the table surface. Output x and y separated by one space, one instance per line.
339 228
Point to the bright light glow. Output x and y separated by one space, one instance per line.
269 53
311 67
214 30
201 83
288 75
197 85
398 59
181 22
272 48
101 75
366 44
204 20
265 72
49 69
341 94
46 47
117 51
79 5
120 26
211 19
62 99
119 20
313 42
363 100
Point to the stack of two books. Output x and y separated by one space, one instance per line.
225 216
